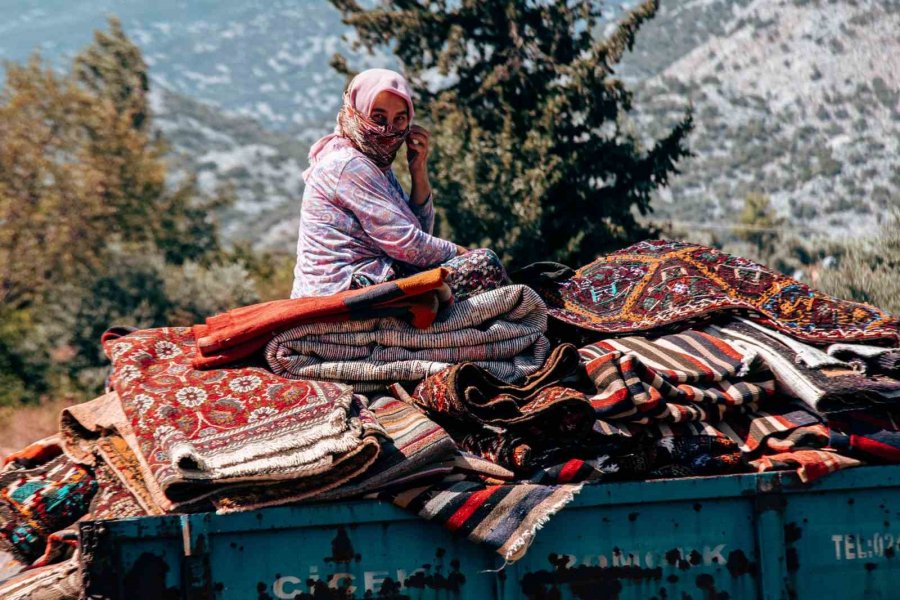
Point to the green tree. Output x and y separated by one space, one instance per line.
759 225
533 153
91 235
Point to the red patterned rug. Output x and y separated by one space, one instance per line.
198 430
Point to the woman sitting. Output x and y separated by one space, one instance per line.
357 225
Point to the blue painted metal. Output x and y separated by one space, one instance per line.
745 536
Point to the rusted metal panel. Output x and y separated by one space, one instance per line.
716 538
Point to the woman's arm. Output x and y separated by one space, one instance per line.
364 190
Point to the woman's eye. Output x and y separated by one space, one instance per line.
380 119
400 122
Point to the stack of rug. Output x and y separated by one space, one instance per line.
668 360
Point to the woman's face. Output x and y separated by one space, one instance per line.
390 109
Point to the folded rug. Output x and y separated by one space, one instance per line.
97 433
414 448
809 464
875 360
689 376
339 469
36 502
503 517
241 332
505 422
656 284
823 382
500 330
197 430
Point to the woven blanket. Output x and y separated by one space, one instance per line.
689 376
503 517
659 284
808 464
505 422
500 330
241 332
872 434
415 448
198 430
871 360
826 387
37 502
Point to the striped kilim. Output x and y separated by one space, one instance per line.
781 426
823 382
506 422
499 330
873 434
664 284
808 464
689 376
414 448
503 517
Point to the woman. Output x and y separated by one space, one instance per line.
357 225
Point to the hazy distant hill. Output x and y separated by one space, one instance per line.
263 59
262 167
794 98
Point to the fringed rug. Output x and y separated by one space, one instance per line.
502 517
197 430
660 284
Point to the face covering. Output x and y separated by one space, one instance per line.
379 142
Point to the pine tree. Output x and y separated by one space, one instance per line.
533 154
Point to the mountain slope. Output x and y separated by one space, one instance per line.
793 98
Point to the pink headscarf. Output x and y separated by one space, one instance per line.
360 96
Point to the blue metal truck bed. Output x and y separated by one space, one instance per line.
709 538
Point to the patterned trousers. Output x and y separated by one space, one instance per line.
471 273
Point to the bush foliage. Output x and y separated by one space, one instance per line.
90 233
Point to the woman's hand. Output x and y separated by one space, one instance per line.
417 146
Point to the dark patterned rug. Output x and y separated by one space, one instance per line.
661 284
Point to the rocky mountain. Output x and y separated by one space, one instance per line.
796 99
